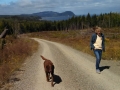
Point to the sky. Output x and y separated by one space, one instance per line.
78 7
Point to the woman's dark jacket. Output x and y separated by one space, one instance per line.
93 40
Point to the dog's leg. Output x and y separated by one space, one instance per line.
47 77
52 77
52 82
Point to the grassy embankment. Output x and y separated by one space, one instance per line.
80 40
16 50
13 55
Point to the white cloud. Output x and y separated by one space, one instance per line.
77 6
24 3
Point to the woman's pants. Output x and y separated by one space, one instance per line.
98 54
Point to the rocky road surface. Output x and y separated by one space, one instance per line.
74 70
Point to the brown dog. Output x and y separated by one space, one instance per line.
49 69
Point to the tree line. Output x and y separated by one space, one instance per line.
18 25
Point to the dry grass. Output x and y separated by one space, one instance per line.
80 40
16 50
13 55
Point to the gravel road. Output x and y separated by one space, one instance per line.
74 70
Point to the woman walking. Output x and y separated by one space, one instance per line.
97 45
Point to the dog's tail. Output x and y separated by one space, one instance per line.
43 57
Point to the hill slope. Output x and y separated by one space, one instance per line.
53 14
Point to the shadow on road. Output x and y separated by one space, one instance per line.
57 79
104 67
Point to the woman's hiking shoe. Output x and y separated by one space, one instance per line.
98 71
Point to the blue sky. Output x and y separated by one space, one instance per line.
79 7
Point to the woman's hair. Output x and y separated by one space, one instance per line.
96 29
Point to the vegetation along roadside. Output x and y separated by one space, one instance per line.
80 40
74 32
13 55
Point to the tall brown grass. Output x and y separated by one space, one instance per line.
13 55
16 50
80 40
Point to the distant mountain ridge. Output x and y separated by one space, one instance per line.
52 14
41 15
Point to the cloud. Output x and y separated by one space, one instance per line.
77 6
23 3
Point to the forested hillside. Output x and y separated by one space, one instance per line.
17 25
53 14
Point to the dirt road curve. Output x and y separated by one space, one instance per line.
74 70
